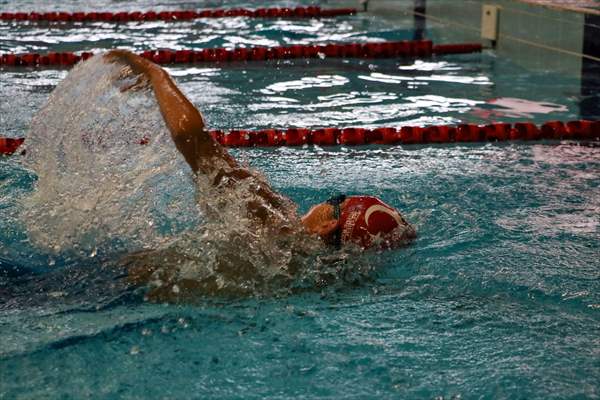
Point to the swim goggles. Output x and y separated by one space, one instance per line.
336 201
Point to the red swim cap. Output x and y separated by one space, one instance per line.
368 221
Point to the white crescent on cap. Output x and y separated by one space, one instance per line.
386 210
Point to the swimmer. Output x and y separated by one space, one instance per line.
363 221
340 220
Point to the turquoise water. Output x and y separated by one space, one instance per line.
498 298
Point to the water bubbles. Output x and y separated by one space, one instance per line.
183 323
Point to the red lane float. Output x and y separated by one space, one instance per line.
418 48
553 130
438 134
182 15
10 145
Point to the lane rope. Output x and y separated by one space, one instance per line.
497 132
10 145
404 48
181 15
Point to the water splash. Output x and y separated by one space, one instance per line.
110 181
233 254
98 185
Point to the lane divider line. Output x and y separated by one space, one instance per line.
181 15
497 132
405 48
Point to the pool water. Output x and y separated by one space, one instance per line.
499 297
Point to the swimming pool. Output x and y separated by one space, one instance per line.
498 297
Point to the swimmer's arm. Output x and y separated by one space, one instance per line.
184 121
187 125
191 138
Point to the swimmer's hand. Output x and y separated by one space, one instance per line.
137 64
140 83
181 117
145 70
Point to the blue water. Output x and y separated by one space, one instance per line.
499 297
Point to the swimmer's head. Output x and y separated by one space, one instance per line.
363 220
